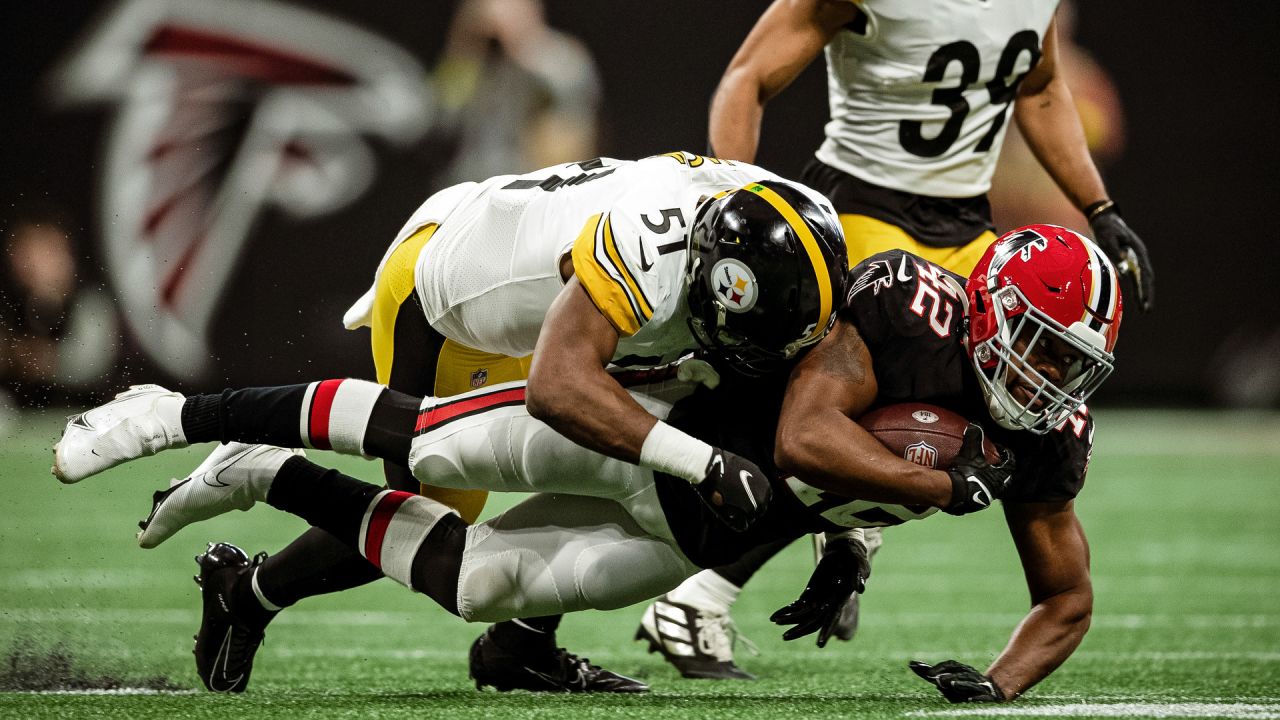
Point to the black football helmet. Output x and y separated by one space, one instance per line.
767 265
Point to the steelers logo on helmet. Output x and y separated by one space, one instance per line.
766 265
735 285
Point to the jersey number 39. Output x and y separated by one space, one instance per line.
1001 90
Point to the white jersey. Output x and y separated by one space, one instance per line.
920 98
490 272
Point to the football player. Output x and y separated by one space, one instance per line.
629 263
920 93
1021 346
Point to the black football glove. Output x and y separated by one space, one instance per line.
842 571
1125 249
735 489
975 483
958 682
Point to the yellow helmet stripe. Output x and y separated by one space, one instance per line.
810 244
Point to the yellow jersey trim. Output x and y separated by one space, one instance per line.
609 292
642 305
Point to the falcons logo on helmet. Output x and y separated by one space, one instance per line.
223 109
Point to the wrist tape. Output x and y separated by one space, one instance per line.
671 451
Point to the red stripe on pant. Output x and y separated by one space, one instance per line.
321 404
441 413
379 520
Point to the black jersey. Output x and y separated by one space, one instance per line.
910 314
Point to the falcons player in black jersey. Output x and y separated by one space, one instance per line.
1024 343
1020 347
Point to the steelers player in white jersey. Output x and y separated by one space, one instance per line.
555 274
920 92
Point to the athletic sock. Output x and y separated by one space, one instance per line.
413 540
527 635
249 602
325 498
706 591
316 563
326 415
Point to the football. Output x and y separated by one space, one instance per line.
924 434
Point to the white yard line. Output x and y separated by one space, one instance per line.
175 616
114 691
368 651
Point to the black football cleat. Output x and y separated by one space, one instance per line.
698 643
556 670
227 641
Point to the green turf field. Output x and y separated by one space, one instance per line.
1181 510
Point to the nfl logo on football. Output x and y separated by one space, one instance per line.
921 453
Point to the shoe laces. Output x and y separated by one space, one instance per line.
569 661
718 635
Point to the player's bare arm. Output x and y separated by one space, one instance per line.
569 388
1046 115
1055 560
788 36
819 442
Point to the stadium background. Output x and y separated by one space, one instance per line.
1196 178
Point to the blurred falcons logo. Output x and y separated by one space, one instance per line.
225 108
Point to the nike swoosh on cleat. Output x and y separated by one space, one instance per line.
226 465
576 680
223 656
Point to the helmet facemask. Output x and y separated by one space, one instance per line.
714 336
1019 395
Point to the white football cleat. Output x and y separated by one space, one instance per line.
233 477
140 421
697 641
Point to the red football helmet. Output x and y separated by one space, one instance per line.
1044 313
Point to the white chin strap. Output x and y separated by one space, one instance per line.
996 408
